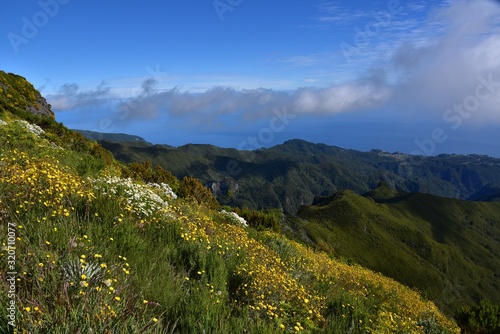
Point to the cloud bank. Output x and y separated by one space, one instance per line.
446 70
70 97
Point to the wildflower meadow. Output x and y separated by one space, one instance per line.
94 250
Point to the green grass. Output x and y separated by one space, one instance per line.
447 249
157 258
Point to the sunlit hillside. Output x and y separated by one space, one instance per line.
446 248
99 247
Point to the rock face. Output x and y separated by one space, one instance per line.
40 108
17 93
224 187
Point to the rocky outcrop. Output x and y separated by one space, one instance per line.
16 93
224 187
40 108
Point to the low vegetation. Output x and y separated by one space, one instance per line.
99 247
446 248
479 319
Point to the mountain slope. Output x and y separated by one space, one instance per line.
292 174
489 193
91 251
449 249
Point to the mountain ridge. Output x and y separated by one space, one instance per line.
296 171
112 137
443 247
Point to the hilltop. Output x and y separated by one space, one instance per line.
104 247
16 93
113 137
291 174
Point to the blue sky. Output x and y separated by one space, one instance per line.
420 77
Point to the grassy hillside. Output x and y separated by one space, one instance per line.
86 249
448 249
292 174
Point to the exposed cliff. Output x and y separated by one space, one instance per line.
17 94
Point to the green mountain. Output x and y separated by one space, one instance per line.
489 193
112 137
293 173
447 249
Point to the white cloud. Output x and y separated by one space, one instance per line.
306 60
436 75
331 12
213 105
70 97
338 99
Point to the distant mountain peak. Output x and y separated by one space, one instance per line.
384 192
112 137
339 195
297 141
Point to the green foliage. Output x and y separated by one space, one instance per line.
17 99
347 315
292 174
144 171
191 188
479 319
88 162
261 219
17 94
440 246
89 262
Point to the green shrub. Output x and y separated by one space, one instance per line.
191 188
479 319
144 171
263 219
